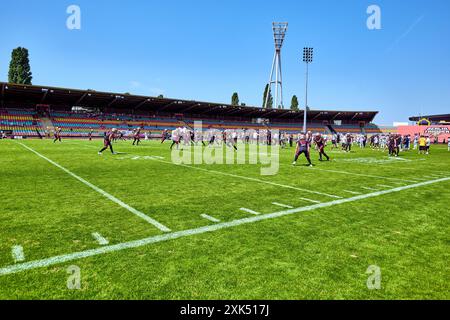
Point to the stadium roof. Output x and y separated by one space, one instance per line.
433 118
31 95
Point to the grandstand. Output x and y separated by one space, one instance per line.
33 111
20 122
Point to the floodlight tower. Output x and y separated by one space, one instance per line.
307 58
279 33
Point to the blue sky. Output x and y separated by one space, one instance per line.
206 50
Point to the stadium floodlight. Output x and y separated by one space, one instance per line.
279 34
307 59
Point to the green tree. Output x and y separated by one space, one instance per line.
235 99
19 67
294 103
161 96
270 101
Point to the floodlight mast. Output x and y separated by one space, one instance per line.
279 34
307 59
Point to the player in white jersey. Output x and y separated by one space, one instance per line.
176 135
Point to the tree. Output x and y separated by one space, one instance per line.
270 101
294 103
19 67
161 96
235 99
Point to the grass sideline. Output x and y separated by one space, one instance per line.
320 254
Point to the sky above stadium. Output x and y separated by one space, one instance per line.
206 50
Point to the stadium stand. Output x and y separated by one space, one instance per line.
77 112
21 122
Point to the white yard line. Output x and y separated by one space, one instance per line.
250 179
363 175
101 240
103 193
369 188
384 186
309 200
282 205
249 211
207 217
17 254
351 192
211 228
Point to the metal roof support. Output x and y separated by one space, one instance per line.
337 114
46 91
81 99
316 116
191 107
167 106
215 108
140 104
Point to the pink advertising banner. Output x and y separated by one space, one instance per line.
443 132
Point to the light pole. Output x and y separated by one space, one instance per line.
307 58
279 34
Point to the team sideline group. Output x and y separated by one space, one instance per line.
304 142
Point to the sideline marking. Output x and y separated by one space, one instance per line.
352 192
368 188
363 175
209 218
102 192
160 159
17 253
282 205
101 240
309 200
249 178
249 211
180 234
384 186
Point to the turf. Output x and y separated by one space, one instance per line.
316 254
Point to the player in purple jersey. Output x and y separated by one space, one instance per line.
303 146
107 142
320 143
57 135
137 136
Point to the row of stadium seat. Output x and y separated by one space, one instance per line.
26 122
21 122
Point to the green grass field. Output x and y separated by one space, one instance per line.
362 209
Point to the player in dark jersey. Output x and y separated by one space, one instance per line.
137 136
164 135
320 143
107 142
303 146
348 140
90 134
57 135
398 144
334 143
